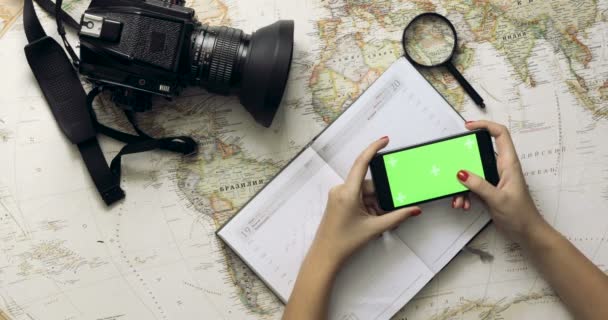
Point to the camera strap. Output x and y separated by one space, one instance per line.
137 143
72 107
66 97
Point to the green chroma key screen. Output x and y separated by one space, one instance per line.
429 171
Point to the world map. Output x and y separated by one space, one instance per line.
541 66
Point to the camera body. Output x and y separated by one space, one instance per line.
141 48
141 45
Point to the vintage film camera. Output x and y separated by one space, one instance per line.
143 48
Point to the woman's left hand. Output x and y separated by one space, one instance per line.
351 219
352 216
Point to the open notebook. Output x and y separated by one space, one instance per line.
273 231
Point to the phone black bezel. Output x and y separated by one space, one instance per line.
380 180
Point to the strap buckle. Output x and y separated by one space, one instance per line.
112 194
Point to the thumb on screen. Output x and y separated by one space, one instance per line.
477 184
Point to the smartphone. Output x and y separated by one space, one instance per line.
426 172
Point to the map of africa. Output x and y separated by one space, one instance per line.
541 66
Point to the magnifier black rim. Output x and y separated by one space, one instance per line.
418 17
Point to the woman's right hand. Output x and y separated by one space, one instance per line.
510 203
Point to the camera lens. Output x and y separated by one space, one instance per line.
216 55
226 60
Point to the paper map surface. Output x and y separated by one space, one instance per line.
541 67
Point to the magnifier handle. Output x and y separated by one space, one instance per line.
466 85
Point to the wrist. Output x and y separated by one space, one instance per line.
322 259
539 236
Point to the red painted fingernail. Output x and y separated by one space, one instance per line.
416 212
462 175
469 121
384 138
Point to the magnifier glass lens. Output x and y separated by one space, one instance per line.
429 40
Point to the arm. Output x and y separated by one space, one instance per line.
577 281
351 219
310 296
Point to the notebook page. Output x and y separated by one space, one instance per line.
273 232
379 280
400 104
404 106
441 232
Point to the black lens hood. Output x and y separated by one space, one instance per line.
266 70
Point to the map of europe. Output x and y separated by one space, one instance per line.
541 66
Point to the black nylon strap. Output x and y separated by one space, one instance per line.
61 87
131 118
33 29
60 16
103 129
140 143
177 144
49 6
107 183
180 144
73 108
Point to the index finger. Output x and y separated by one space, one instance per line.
357 172
504 144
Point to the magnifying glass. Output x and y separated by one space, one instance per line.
430 41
